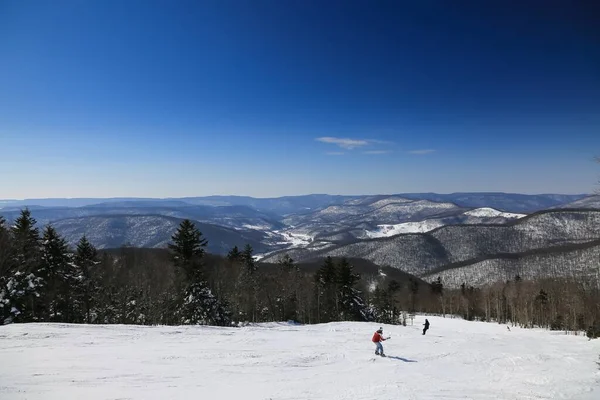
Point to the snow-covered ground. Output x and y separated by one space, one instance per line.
428 225
456 359
405 227
488 212
295 239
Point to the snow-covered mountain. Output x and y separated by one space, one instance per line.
367 214
473 217
417 236
580 261
509 202
420 253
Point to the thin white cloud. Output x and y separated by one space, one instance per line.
344 143
335 153
381 141
422 152
377 152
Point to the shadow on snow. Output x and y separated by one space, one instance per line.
401 359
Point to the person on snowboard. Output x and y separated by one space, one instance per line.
426 324
377 339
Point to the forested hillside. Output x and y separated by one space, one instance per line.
42 279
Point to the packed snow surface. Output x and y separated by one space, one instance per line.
456 359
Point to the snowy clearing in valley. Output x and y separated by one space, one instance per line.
456 359
405 227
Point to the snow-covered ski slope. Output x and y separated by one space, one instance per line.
457 359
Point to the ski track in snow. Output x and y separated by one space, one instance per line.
456 359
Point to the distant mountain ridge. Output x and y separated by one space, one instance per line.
508 202
414 235
110 231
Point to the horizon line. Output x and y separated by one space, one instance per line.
296 195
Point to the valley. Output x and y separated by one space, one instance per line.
454 236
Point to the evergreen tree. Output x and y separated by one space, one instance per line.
7 275
200 306
382 308
414 289
234 255
326 291
26 240
437 287
26 285
86 279
58 271
7 271
248 259
197 303
384 303
287 280
287 262
352 305
248 286
187 249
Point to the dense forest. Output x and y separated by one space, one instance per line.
42 279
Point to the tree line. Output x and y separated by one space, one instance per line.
42 279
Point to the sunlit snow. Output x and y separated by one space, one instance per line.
456 359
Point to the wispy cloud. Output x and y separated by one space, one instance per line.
351 144
377 152
422 152
335 153
381 141
344 143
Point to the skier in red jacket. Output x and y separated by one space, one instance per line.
377 339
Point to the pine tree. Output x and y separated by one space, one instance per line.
248 259
414 289
7 271
287 278
382 308
26 285
86 279
234 255
198 305
352 305
287 262
58 271
26 239
326 291
248 286
187 249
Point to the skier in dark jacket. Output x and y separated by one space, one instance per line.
426 326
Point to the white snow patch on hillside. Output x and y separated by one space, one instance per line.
406 227
388 201
257 227
295 239
456 359
487 212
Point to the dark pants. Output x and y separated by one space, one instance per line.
425 329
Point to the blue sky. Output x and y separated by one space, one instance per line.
268 98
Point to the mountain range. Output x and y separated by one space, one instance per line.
454 236
509 202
